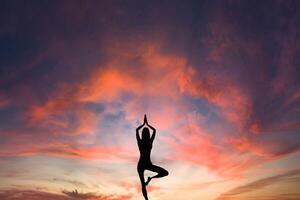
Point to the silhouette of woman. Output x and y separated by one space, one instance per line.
145 146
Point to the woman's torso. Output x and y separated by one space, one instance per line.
145 148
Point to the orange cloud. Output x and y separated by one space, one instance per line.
234 102
195 145
157 76
154 75
155 85
66 150
147 80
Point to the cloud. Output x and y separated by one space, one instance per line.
195 144
265 197
30 195
15 194
130 85
65 113
239 74
92 196
63 150
261 183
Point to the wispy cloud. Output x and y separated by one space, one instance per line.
15 194
262 183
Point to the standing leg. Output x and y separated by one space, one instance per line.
161 172
141 175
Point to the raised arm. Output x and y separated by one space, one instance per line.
137 131
154 132
151 127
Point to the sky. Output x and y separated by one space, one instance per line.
219 80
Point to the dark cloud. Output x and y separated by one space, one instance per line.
30 195
77 195
14 194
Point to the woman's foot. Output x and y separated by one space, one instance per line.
148 180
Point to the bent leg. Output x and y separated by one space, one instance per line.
141 175
161 172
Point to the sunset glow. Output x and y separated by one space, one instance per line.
219 80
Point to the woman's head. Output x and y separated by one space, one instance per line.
145 134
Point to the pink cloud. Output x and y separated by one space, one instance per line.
21 148
155 83
195 145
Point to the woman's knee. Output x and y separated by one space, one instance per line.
165 173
